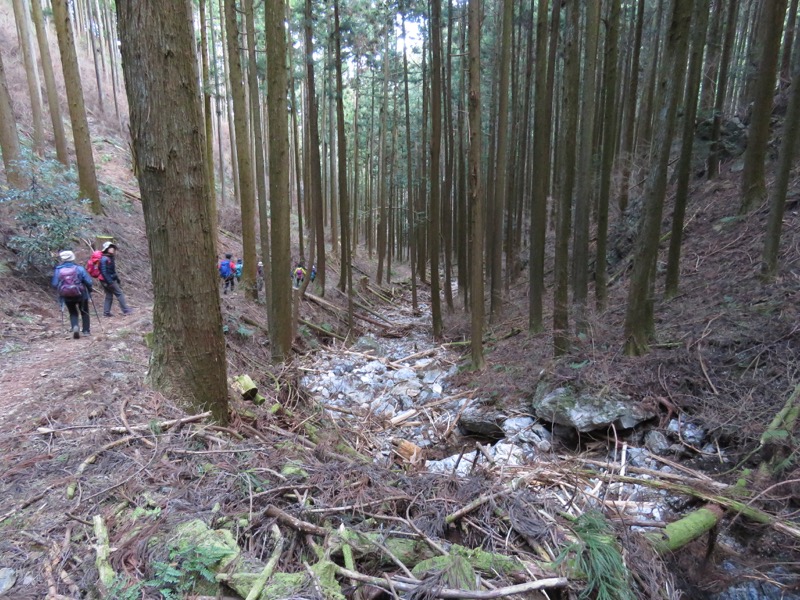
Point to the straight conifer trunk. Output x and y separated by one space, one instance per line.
161 76
31 73
475 193
243 156
434 218
87 176
9 138
639 324
62 152
277 77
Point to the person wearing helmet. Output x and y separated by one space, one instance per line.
110 280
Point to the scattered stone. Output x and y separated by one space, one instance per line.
688 432
588 413
448 465
483 420
405 374
367 344
8 577
656 442
526 430
510 455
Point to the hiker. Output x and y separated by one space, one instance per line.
260 275
110 280
299 274
313 274
239 268
227 271
74 286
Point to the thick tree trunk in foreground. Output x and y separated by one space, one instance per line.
281 334
639 325
87 176
161 76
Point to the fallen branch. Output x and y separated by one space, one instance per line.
472 506
403 586
103 551
293 522
163 425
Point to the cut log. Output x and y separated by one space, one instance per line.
246 387
676 535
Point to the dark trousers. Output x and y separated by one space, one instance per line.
230 281
78 306
112 290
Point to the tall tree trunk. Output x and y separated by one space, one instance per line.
218 109
382 166
434 218
639 323
277 77
722 88
346 282
409 175
585 183
315 172
255 112
501 164
92 32
684 168
31 73
475 193
571 89
542 118
9 138
161 75
754 185
788 43
243 157
777 204
609 145
208 122
713 48
628 138
87 177
62 152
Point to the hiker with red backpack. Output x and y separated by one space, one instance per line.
227 271
110 280
74 286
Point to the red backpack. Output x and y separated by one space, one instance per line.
93 265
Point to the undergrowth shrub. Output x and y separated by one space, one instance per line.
48 215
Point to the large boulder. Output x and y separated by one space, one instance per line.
586 412
483 420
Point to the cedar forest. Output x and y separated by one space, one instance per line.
549 345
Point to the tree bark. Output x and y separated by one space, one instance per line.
277 77
684 168
585 183
434 218
791 129
754 185
62 152
315 171
722 88
87 176
609 146
31 73
475 193
571 89
9 138
409 176
207 120
243 156
161 75
639 324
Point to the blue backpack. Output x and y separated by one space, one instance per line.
239 267
225 269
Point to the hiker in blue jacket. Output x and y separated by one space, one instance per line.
74 286
110 280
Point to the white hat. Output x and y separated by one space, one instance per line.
66 256
260 264
108 245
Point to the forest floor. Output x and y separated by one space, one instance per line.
82 436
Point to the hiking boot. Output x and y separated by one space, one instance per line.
76 333
127 312
85 333
107 315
